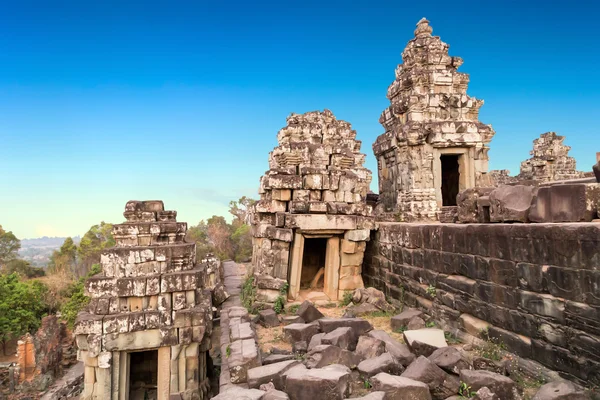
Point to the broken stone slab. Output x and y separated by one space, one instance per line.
500 385
486 364
241 331
400 388
275 358
268 318
342 337
270 373
360 310
315 341
423 342
566 203
382 363
238 393
401 320
325 354
299 332
372 296
369 347
467 203
511 203
416 323
394 347
319 383
269 282
308 312
485 394
560 390
449 359
441 384
359 326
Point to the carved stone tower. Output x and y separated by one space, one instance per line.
434 145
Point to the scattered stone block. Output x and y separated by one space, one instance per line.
400 388
399 350
401 320
299 332
372 396
315 341
416 323
511 203
274 395
566 203
382 363
291 319
268 318
441 384
325 354
500 385
360 310
308 312
449 359
358 325
343 338
269 373
560 390
319 383
369 347
236 392
423 342
300 347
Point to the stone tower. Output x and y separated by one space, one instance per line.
434 145
312 222
146 332
549 160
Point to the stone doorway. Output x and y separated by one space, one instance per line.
312 276
143 375
315 262
450 178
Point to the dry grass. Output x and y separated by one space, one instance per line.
269 338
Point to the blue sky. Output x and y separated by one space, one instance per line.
103 102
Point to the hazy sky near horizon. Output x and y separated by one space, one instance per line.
104 102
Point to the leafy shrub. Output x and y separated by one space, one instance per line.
248 294
77 299
347 299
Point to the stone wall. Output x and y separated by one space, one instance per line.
535 287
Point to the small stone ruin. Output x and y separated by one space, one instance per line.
146 332
434 145
312 222
549 160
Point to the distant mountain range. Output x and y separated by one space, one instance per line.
38 251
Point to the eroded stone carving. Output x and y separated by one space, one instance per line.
433 145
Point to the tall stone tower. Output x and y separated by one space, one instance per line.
146 333
434 145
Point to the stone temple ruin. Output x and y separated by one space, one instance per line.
549 160
434 145
312 222
511 260
146 333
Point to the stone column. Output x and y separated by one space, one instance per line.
332 268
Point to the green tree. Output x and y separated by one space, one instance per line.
242 243
64 260
77 298
241 211
21 306
9 246
199 234
92 243
219 237
23 268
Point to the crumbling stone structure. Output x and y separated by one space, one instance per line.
549 160
312 221
146 332
434 145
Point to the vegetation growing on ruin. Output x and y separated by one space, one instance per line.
77 300
248 294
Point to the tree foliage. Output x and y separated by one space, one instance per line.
225 240
9 246
92 243
21 306
77 299
23 268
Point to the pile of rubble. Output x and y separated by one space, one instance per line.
333 356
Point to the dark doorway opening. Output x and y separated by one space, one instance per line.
143 375
450 179
313 264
